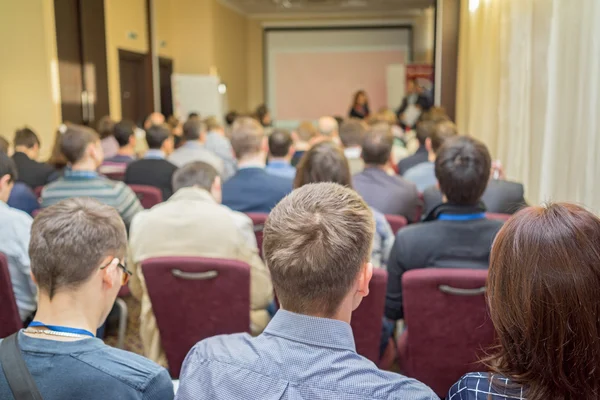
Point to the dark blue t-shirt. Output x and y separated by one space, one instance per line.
89 369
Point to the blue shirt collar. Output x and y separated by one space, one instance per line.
314 331
70 174
192 144
279 164
155 154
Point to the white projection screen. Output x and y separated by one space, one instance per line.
315 72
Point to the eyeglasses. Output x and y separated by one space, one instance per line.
126 273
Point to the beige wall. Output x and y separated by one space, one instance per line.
122 17
28 70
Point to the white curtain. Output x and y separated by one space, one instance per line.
529 87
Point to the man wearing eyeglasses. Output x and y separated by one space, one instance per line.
77 250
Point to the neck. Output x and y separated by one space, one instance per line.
431 156
377 166
126 151
257 159
84 165
68 309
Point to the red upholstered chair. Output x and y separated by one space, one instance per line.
149 195
397 222
35 213
448 325
10 321
194 298
498 216
258 219
367 318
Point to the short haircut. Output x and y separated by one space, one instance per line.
231 117
4 145
462 168
193 115
26 137
280 142
212 123
443 131
105 127
196 173
324 162
425 130
435 114
70 239
192 129
75 140
327 126
315 242
156 135
377 145
123 132
246 137
352 133
306 131
543 294
8 167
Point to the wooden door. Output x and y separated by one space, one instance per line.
166 91
132 69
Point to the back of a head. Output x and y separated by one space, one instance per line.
70 239
462 168
194 174
193 115
352 133
443 131
4 145
306 131
105 127
315 243
543 293
75 140
324 162
425 130
327 126
192 129
156 136
280 141
435 114
246 137
123 131
212 124
26 137
8 167
231 117
377 145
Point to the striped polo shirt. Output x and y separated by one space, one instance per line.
90 184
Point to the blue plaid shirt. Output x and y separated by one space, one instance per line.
478 386
297 357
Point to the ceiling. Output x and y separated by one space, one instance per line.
326 6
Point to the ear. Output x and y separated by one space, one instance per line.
108 273
216 185
291 151
132 140
5 181
428 145
365 275
33 278
265 144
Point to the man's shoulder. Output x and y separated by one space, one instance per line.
18 217
224 348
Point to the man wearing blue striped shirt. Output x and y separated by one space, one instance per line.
317 245
82 149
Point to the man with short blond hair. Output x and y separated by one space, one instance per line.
252 189
317 245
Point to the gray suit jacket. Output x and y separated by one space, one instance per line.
194 151
503 197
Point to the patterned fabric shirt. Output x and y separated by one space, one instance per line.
296 357
90 184
478 386
383 240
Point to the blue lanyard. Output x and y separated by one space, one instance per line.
461 217
65 329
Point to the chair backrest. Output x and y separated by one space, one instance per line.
194 298
448 324
258 219
397 222
367 318
149 195
10 321
498 216
115 175
38 191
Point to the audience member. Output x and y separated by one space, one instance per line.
124 133
77 252
21 196
105 128
155 118
231 117
81 147
154 169
456 234
57 159
218 143
194 134
193 116
303 137
15 226
424 130
414 98
176 129
179 227
329 128
385 193
317 243
263 115
281 150
352 133
423 174
251 189
325 162
543 295
360 106
27 150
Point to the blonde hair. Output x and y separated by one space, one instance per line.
246 136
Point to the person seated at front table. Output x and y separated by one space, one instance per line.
77 253
317 245
252 189
455 234
543 298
